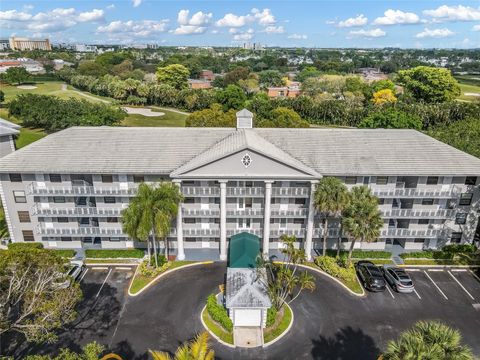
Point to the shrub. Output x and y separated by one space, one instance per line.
66 253
271 316
448 252
362 254
332 266
107 253
218 313
22 246
151 271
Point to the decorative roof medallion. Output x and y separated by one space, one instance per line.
246 160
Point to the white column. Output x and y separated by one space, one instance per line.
310 220
266 218
223 220
180 248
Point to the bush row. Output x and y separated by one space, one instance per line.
150 270
332 267
362 254
107 253
218 313
22 246
447 252
271 316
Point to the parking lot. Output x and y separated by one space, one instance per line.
329 322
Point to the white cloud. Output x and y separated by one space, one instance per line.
136 3
264 17
274 29
393 17
232 20
133 29
110 7
434 33
197 24
374 33
297 36
28 7
244 36
14 15
476 27
454 13
94 15
360 20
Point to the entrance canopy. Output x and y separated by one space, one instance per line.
244 249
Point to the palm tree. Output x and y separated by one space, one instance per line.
3 224
330 198
198 349
151 212
428 340
362 220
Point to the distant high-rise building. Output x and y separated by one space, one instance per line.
28 44
252 46
4 44
85 48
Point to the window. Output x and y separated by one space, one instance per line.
432 180
138 178
59 199
109 200
28 235
19 197
350 180
461 218
381 201
403 223
298 221
84 221
427 201
23 216
456 237
419 240
65 238
283 223
423 221
366 180
244 223
62 219
189 220
189 200
470 180
248 203
382 180
300 201
107 179
188 183
55 178
190 239
391 223
113 239
112 220
466 199
16 177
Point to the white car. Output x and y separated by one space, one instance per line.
75 269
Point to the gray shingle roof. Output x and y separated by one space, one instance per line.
162 150
246 288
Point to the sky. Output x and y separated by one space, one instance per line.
330 23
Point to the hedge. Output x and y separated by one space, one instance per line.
271 316
362 254
23 246
218 313
448 252
107 253
66 253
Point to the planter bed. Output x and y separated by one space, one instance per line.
282 323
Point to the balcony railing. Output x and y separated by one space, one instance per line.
292 212
290 191
415 192
245 191
200 212
34 189
417 213
413 233
80 231
74 211
245 212
200 191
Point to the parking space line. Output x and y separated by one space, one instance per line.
435 269
416 293
390 291
412 270
83 275
123 268
474 275
458 282
433 282
104 281
99 268
458 270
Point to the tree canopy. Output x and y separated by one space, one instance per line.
175 75
212 117
391 119
16 75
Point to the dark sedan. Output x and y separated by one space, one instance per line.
370 276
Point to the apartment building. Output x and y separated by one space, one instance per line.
68 189
23 44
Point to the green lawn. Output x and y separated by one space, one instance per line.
216 328
43 88
27 135
272 334
170 119
467 88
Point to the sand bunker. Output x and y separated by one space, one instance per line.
142 111
26 87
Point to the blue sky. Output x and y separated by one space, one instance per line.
359 23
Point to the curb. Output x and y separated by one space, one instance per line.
112 264
283 333
211 333
336 280
441 266
162 275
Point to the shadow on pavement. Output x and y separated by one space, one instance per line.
347 343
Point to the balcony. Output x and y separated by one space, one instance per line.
248 212
200 191
189 212
415 192
290 191
417 213
412 233
80 190
245 191
79 231
74 211
280 232
289 213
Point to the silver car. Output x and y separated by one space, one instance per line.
398 279
74 270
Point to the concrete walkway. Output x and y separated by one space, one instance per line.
247 337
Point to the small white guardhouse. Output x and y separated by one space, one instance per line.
247 297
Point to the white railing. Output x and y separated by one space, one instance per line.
415 192
412 233
245 212
245 191
417 213
75 211
35 189
80 231
200 212
291 212
200 190
290 191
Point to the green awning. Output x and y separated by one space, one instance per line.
243 251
